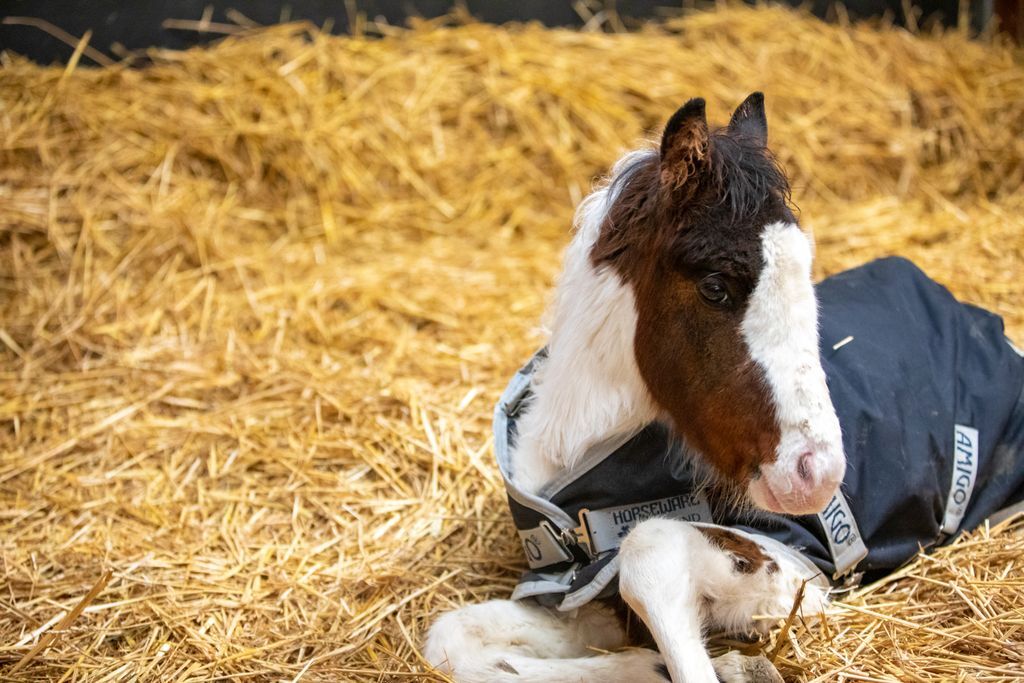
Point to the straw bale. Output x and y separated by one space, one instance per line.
257 300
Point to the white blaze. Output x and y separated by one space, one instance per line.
781 331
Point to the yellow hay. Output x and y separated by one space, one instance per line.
257 300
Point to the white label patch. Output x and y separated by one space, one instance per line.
844 540
965 471
606 528
542 546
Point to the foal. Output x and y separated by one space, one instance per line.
686 301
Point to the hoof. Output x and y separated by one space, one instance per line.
733 667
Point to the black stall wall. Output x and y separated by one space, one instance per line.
138 25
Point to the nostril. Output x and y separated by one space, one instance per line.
805 467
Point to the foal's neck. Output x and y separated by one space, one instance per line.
589 388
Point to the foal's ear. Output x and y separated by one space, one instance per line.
749 120
684 144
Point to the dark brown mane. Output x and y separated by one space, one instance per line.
633 197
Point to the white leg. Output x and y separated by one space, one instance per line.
681 579
504 642
661 563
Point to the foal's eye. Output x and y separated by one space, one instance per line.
714 290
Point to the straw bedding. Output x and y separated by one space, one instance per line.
258 300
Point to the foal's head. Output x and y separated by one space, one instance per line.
726 335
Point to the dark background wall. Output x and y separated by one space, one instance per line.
139 24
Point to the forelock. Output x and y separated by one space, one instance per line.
744 176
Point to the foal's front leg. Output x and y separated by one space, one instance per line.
658 579
680 578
